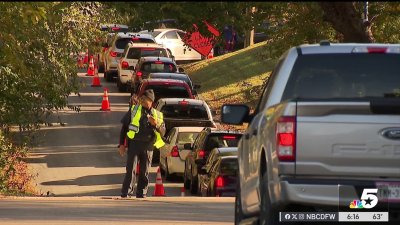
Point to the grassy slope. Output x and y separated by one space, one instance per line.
230 77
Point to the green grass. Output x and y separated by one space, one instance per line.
230 77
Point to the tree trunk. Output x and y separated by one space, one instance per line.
249 35
345 19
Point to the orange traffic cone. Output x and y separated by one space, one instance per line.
90 70
96 79
105 104
159 188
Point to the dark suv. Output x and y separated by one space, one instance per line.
207 140
147 65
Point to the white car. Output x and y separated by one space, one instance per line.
172 154
130 57
116 48
173 40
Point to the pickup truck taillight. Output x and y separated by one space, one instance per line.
201 154
175 151
139 73
219 182
124 65
286 139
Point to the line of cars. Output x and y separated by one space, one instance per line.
139 63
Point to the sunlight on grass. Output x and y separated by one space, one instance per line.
229 78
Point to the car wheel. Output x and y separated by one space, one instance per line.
193 185
268 214
101 68
105 75
186 181
109 76
121 87
238 205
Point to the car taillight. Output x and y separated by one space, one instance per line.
286 138
226 137
124 65
113 54
219 182
148 49
139 73
158 62
183 102
201 154
175 151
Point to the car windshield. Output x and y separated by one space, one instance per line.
168 91
187 137
229 166
220 140
185 111
158 66
347 76
155 33
136 53
122 42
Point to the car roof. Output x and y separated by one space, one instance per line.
153 58
227 150
177 100
228 157
189 129
140 45
156 80
169 74
327 47
217 131
132 34
167 29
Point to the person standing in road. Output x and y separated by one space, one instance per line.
143 127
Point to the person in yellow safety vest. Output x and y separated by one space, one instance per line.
143 127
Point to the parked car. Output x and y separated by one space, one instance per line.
166 88
173 40
177 76
207 140
328 117
179 112
116 48
131 55
218 176
111 29
147 65
172 154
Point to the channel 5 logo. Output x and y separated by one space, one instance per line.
368 199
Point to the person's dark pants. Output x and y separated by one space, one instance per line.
138 152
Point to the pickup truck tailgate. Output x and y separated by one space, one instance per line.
346 139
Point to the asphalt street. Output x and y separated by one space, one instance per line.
78 167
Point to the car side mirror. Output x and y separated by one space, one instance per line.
235 114
201 171
181 70
199 162
187 146
197 86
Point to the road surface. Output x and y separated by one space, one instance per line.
79 167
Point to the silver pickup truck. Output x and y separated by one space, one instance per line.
328 120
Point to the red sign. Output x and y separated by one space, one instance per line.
199 42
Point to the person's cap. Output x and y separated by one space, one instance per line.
149 94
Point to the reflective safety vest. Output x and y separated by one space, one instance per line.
136 113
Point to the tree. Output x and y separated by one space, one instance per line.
347 19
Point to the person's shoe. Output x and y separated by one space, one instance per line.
140 196
124 195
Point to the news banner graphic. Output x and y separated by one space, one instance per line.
371 206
